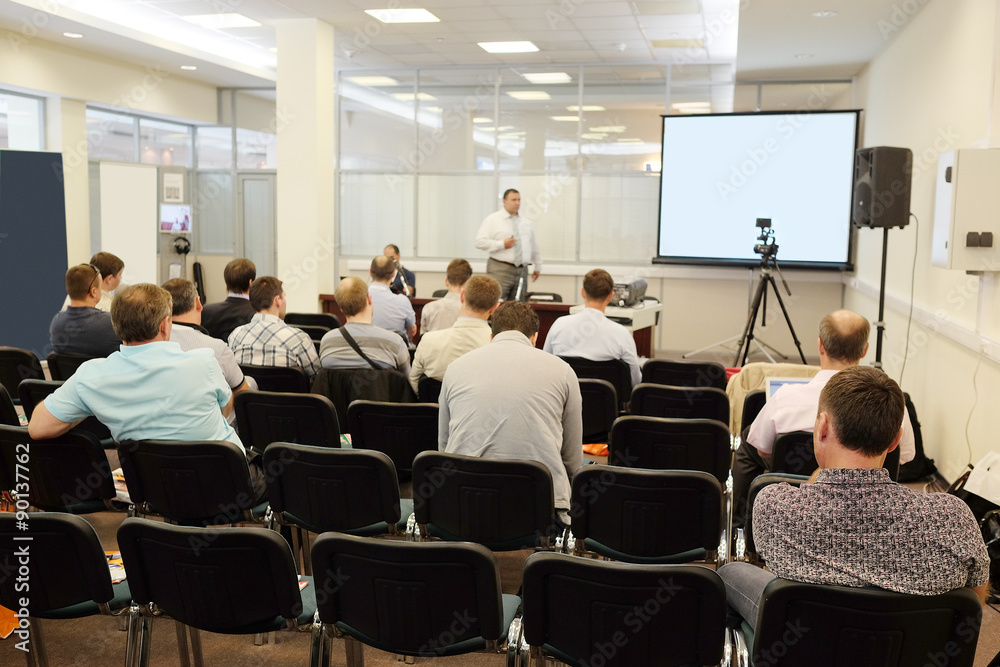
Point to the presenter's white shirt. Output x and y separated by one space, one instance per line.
499 226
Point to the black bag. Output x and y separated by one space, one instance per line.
920 466
990 525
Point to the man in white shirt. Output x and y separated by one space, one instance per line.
510 241
478 299
444 312
589 334
843 342
392 312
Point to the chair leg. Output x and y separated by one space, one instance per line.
196 647
405 659
143 636
319 647
355 651
260 638
182 644
35 655
306 553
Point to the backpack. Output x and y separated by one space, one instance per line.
920 466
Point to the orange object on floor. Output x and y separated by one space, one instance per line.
597 449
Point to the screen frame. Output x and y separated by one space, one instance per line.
847 265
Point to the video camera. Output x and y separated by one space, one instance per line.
767 248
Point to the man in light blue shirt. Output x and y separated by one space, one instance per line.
391 311
150 389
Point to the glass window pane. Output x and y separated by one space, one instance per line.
618 217
215 147
449 213
530 135
256 150
110 136
376 121
375 210
164 143
620 118
213 212
453 108
549 201
20 122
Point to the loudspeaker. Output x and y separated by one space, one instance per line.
882 187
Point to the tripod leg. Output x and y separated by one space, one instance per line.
788 320
747 336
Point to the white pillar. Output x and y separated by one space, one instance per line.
305 129
66 133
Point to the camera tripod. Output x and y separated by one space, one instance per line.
760 298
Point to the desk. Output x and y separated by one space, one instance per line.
641 320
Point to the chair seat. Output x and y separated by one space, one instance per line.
122 598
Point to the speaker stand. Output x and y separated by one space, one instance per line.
880 324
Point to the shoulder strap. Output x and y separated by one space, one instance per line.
354 344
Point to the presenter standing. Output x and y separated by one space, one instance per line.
510 241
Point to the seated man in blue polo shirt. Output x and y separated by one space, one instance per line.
392 312
150 389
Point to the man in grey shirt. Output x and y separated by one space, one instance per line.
510 400
385 348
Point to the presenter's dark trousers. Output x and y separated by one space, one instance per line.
509 277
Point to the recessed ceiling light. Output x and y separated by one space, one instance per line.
566 119
189 68
221 21
401 15
73 35
482 119
618 129
373 80
803 56
408 97
547 77
824 14
508 47
593 107
529 95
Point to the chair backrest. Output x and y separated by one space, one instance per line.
264 417
315 332
17 364
62 366
399 430
67 563
657 400
346 385
503 505
278 378
600 409
327 320
33 392
580 611
330 489
428 390
8 413
647 516
439 293
230 580
685 373
614 371
756 486
671 444
834 625
192 483
753 403
793 453
68 473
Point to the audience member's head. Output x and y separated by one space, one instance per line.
184 295
382 269
598 285
459 271
481 293
239 274
514 316
865 408
111 268
844 336
267 293
391 251
138 311
81 280
352 296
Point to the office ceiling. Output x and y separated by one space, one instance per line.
777 39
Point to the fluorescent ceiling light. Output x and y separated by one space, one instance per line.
373 80
617 129
691 105
566 119
73 35
408 97
630 140
189 68
508 47
592 107
401 15
593 135
482 119
221 21
678 43
529 95
547 77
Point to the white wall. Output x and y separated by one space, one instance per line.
930 90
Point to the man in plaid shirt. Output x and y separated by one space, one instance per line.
267 340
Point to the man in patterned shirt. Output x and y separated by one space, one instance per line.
267 340
851 525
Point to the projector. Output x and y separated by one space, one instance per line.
629 294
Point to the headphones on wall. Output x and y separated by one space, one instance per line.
182 246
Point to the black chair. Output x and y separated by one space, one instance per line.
428 389
33 392
586 612
793 453
749 547
439 293
342 490
69 473
190 483
671 444
226 580
315 332
263 417
648 516
808 624
544 297
343 386
326 320
16 365
399 430
615 371
503 505
600 409
423 599
684 373
62 366
753 403
8 413
657 400
68 575
278 378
